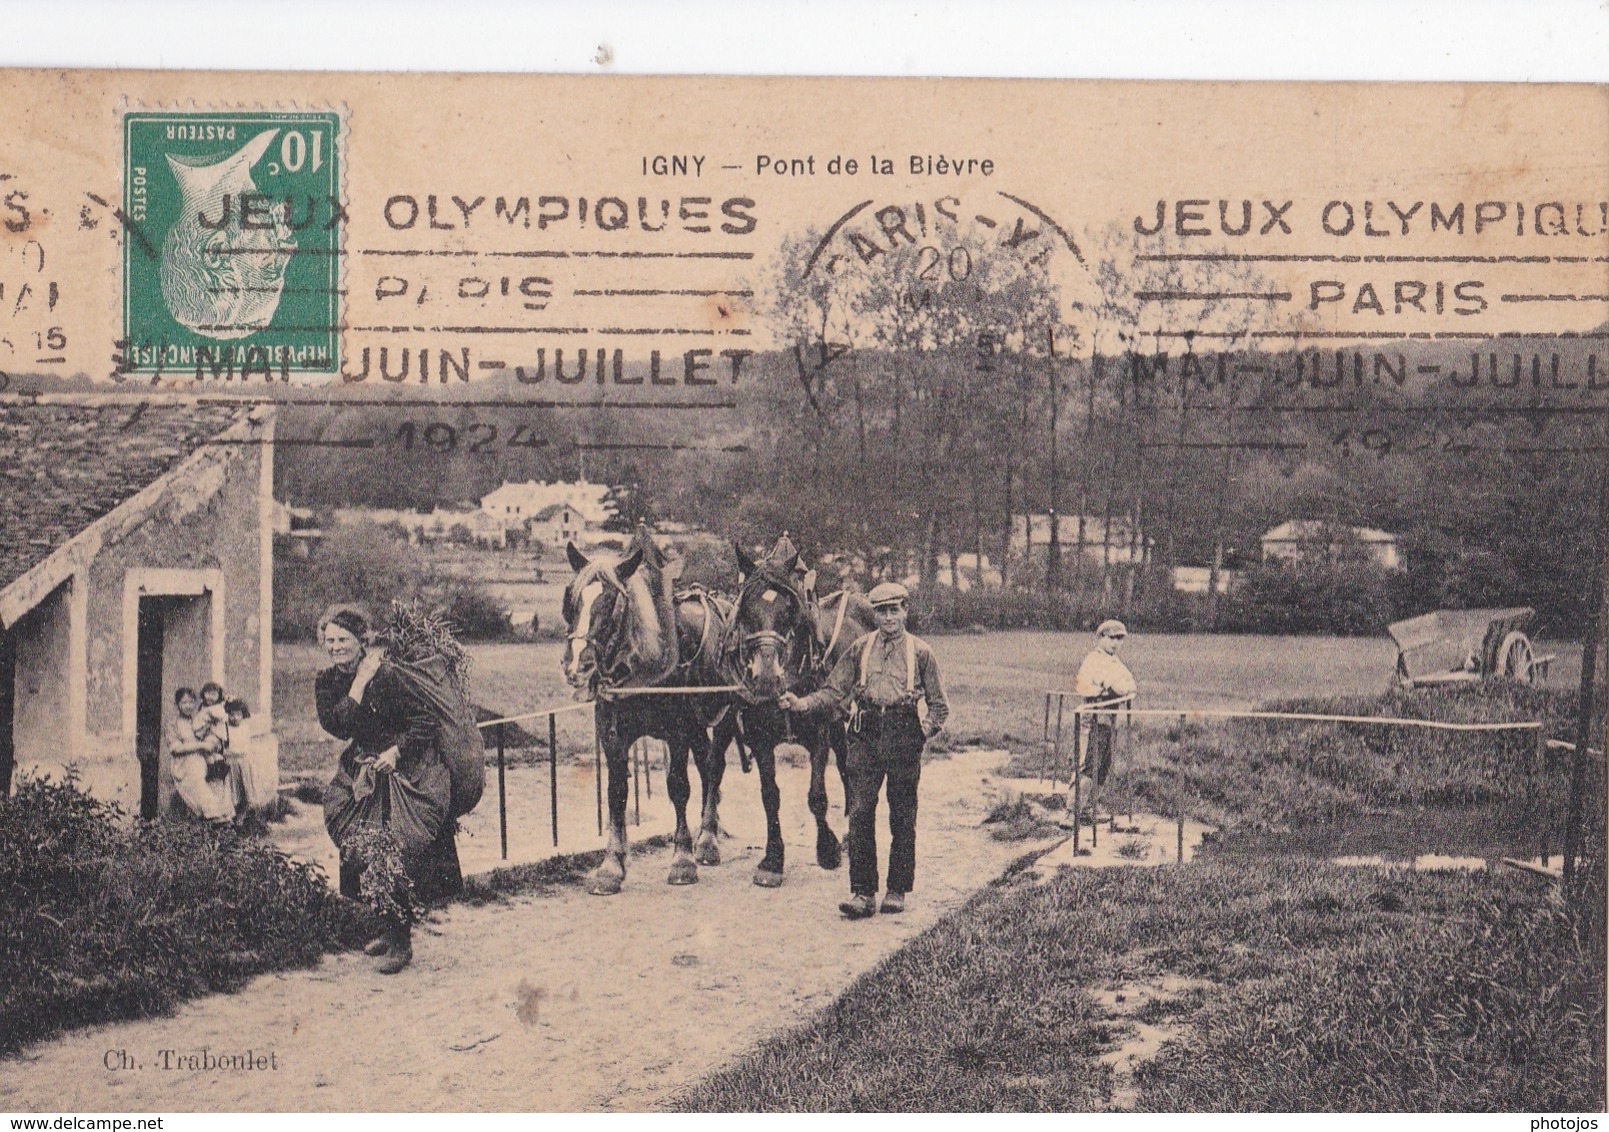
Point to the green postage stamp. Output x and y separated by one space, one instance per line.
232 255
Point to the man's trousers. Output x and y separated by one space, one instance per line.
886 745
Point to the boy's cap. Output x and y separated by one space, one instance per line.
888 593
1111 629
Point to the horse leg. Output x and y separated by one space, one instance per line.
769 872
837 737
683 869
606 879
711 770
828 852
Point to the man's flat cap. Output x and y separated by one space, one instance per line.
1111 629
889 593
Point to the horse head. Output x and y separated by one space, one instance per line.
772 627
598 607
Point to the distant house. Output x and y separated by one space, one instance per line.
557 525
1122 546
1301 540
535 507
136 557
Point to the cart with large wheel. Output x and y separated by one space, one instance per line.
1452 646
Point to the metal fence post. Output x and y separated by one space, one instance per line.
502 791
636 783
1094 785
1074 780
553 774
1045 751
1055 766
1178 802
1128 752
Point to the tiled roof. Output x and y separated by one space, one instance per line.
65 464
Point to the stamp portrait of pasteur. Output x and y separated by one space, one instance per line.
220 277
232 265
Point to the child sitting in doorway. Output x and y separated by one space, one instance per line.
203 793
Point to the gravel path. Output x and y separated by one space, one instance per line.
547 1002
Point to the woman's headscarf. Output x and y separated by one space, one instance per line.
352 618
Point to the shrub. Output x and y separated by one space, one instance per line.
1350 597
101 921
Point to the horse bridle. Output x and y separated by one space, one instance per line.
749 643
588 640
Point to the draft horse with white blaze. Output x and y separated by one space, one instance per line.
628 632
784 639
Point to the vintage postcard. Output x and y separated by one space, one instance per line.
529 593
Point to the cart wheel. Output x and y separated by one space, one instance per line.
1516 660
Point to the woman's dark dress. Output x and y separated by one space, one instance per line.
387 717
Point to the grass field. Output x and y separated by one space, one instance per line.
995 681
1262 977
1319 989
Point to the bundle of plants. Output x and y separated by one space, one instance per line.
102 920
384 883
414 633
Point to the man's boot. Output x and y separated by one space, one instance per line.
399 952
893 902
858 906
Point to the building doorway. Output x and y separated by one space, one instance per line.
173 650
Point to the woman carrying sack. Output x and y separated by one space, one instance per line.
391 778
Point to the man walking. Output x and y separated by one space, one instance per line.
880 680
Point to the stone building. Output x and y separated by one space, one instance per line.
135 558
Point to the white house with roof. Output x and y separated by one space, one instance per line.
551 513
557 525
1304 540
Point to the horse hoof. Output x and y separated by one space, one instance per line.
604 884
828 855
765 878
682 872
708 853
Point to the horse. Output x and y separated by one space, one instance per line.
628 632
783 638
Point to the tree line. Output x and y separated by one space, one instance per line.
918 407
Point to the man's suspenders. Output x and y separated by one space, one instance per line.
910 661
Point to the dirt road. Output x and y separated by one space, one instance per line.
555 1002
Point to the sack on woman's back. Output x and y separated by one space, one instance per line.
410 809
459 740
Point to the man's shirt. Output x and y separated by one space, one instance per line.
885 678
1103 675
